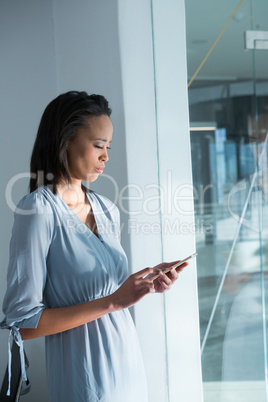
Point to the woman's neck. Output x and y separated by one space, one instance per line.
72 194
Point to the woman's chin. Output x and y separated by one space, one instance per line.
91 177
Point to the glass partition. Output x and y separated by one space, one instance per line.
227 56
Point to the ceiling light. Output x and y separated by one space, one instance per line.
203 128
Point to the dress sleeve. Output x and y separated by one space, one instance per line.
26 277
31 236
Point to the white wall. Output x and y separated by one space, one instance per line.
106 47
49 47
27 83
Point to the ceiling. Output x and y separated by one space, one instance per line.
229 61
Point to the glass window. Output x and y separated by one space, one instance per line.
227 57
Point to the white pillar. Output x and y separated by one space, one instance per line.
154 77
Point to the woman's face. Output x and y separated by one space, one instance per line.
88 152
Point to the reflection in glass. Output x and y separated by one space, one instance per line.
228 104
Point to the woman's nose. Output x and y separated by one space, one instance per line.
105 156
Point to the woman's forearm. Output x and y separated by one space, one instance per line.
55 320
135 287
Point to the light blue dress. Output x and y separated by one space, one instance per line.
56 261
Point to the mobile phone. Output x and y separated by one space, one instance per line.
176 265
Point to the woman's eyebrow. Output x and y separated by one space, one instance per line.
101 139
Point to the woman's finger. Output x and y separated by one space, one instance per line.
146 271
182 266
173 274
147 287
164 286
166 265
164 279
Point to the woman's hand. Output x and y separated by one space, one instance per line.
143 282
165 281
135 287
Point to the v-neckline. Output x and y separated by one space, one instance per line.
99 237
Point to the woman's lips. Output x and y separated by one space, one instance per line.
100 170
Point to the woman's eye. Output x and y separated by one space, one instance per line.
99 147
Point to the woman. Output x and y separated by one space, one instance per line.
67 275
